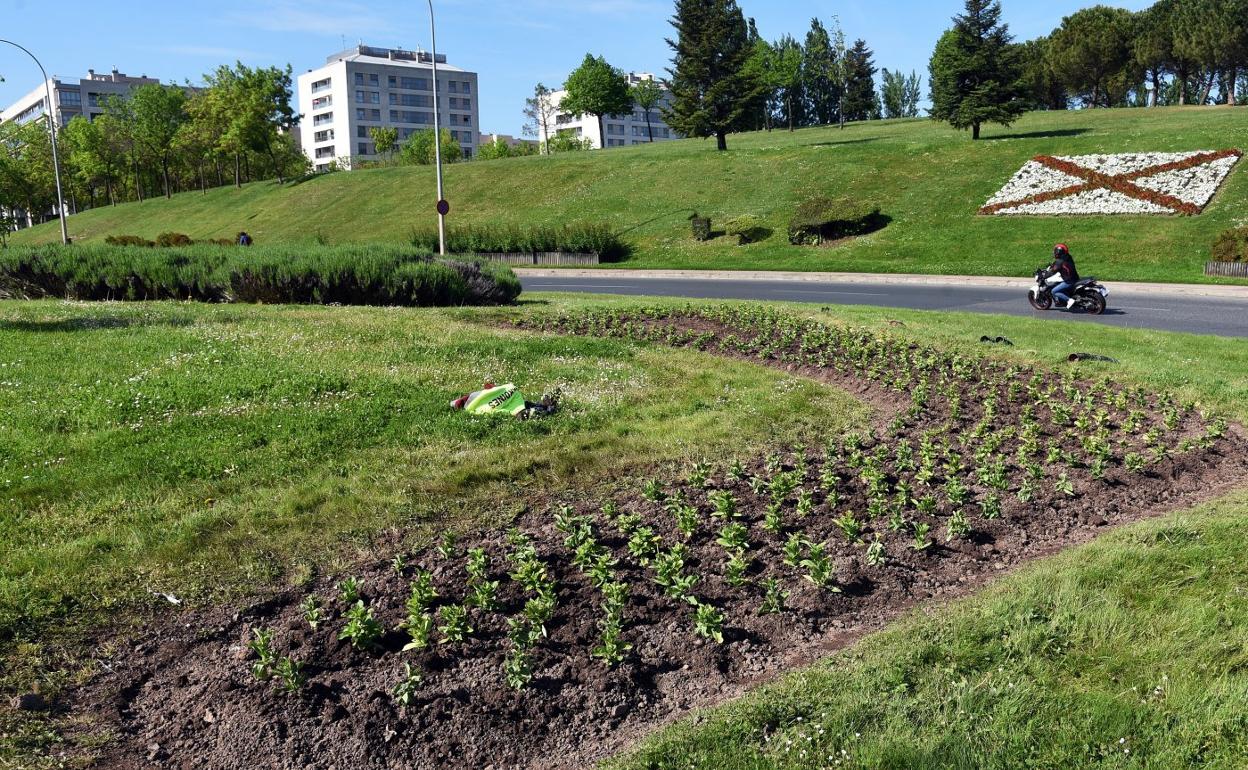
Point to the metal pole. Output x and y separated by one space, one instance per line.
437 131
56 161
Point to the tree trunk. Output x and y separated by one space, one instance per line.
164 172
974 131
788 100
602 133
203 181
238 171
1208 88
721 141
138 182
649 128
112 198
1231 78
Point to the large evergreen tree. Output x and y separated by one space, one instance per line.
822 95
1091 55
861 102
712 87
596 88
1041 86
975 71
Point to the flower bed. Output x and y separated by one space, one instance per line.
1133 183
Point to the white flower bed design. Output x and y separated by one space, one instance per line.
1133 183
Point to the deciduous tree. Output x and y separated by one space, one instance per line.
647 94
596 88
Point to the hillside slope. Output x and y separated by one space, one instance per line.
929 179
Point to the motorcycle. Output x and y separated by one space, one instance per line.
1088 295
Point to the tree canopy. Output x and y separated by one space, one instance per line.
975 72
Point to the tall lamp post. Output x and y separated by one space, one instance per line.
56 161
437 136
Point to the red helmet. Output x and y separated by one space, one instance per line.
1061 250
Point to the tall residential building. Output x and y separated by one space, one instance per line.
366 87
72 98
621 130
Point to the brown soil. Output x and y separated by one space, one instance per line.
183 696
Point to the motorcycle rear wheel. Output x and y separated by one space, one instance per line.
1095 304
1043 302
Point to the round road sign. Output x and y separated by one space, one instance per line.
444 207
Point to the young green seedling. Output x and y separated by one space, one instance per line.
362 628
774 598
407 688
262 646
312 612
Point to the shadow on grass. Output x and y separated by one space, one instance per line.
652 220
864 140
89 324
1039 134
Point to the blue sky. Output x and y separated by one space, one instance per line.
512 44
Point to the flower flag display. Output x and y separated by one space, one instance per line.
1132 183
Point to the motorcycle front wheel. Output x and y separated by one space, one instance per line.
1043 302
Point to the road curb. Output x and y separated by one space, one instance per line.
895 279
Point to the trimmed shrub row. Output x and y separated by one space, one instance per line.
348 275
819 220
1232 245
508 239
164 241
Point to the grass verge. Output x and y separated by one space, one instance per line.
928 179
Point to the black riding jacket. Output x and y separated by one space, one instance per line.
1066 267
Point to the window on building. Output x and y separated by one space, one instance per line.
367 97
452 86
455 135
467 88
467 151
323 118
323 136
465 104
362 113
321 85
409 84
411 100
367 78
365 148
322 102
324 152
411 116
71 98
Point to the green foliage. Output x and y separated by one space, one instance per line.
419 149
712 89
290 675
597 239
385 140
362 628
1091 55
747 228
1232 245
647 94
596 88
349 275
975 72
701 227
901 94
860 102
406 690
821 219
261 645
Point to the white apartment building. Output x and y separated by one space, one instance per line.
72 98
366 87
623 130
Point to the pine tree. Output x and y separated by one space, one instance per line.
1091 55
975 71
860 99
713 90
822 97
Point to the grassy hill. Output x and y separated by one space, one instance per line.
928 178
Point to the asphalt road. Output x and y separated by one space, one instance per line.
1226 317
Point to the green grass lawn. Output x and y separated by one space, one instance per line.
928 178
206 450
213 451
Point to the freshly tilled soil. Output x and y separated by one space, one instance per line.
184 696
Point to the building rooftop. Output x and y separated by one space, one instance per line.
391 56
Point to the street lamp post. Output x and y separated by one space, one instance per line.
437 134
56 161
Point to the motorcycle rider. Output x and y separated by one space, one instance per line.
1064 265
